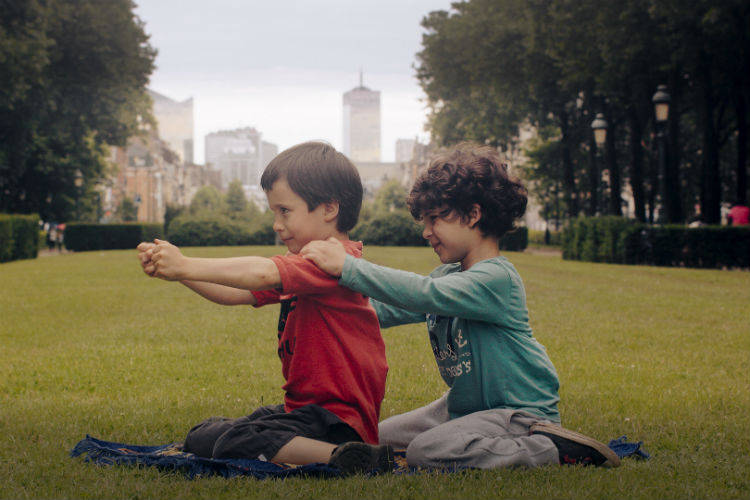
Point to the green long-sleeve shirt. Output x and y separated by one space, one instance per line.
479 330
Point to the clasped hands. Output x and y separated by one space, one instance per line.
162 259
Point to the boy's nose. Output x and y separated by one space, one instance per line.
426 233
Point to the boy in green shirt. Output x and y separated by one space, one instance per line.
501 408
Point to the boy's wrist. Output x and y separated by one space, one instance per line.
188 269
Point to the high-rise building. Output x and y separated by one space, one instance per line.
239 154
174 122
362 124
404 150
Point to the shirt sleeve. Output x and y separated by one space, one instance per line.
475 294
302 277
389 315
265 297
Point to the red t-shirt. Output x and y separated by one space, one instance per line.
331 350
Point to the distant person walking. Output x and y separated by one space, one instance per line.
739 215
51 236
60 237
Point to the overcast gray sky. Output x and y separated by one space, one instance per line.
281 66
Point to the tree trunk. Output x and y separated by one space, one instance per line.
636 163
615 185
710 194
740 107
569 181
673 188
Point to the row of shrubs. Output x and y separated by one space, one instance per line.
82 237
398 228
553 238
217 230
19 237
389 229
625 241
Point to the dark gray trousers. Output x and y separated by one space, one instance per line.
261 434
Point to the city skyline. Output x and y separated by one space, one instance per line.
260 66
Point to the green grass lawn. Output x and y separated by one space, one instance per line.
89 344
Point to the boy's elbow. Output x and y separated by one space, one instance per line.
269 276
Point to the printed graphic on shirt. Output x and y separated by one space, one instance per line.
453 355
286 348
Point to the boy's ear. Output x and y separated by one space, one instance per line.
330 210
475 215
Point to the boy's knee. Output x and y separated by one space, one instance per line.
420 451
387 432
201 438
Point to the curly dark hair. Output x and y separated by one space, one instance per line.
467 174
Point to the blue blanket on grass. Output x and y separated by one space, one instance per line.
170 457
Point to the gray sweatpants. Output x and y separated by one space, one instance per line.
484 440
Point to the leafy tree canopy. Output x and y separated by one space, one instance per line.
72 80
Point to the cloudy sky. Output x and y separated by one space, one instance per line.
282 66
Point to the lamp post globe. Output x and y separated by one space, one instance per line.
661 100
599 125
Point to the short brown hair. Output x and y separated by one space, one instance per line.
467 174
318 173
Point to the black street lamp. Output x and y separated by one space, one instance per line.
78 181
599 126
661 101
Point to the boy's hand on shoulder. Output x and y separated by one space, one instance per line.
329 255
167 261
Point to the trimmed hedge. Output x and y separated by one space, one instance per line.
515 241
540 237
396 228
19 237
626 241
218 231
82 237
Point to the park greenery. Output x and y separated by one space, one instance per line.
490 66
90 345
72 81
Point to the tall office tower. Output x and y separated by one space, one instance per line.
404 150
174 123
239 154
362 124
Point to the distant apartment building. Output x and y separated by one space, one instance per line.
239 154
404 150
152 176
174 122
362 124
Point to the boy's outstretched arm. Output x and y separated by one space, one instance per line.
248 273
329 255
220 294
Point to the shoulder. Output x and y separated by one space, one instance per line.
497 270
444 270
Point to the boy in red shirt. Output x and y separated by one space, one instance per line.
331 350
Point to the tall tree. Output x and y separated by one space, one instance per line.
235 199
73 78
